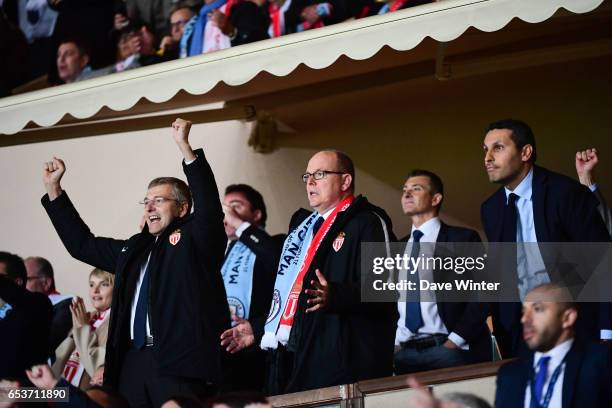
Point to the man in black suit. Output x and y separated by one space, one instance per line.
559 370
439 334
25 320
534 205
319 330
169 304
249 271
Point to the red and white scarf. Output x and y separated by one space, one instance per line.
73 371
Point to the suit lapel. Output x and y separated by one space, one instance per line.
539 191
570 375
497 220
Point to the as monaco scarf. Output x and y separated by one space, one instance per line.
73 371
298 252
237 272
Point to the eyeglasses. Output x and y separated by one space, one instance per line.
319 174
156 201
31 278
179 24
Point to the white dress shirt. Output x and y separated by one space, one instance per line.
556 354
530 265
432 323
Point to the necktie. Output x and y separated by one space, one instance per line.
414 320
510 220
317 225
540 377
140 317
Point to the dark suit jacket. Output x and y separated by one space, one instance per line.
24 330
60 325
350 340
188 307
564 211
467 319
586 379
246 370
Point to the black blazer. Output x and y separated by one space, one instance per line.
24 330
350 340
564 211
188 307
467 319
586 379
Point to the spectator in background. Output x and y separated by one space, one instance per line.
372 7
72 61
41 280
249 272
586 161
25 318
37 21
154 14
89 22
82 353
179 17
135 48
13 48
559 369
232 23
304 15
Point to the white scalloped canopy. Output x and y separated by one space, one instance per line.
358 40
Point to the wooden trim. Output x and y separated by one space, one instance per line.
445 375
319 396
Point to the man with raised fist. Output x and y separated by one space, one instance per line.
169 305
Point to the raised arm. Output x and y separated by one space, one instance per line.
72 230
208 215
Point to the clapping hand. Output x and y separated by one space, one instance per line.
80 316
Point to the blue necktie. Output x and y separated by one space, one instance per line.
540 378
140 317
414 320
317 225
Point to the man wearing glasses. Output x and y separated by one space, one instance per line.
319 331
169 304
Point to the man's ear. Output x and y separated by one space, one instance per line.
347 180
84 61
526 153
257 216
569 318
47 284
183 209
436 199
19 282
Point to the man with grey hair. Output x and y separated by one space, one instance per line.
169 305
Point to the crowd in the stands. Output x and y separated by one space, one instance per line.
63 41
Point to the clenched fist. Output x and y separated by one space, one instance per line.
53 171
180 132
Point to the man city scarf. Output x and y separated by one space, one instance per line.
298 252
237 272
197 35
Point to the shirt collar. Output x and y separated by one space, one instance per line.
556 354
327 213
523 190
429 228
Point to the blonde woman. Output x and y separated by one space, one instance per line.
80 358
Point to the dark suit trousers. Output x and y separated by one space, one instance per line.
141 383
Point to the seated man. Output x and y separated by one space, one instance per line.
179 16
25 318
432 335
559 370
72 61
